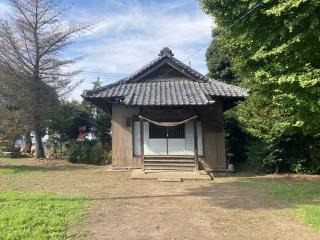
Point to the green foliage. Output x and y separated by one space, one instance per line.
235 136
90 152
219 67
102 127
37 215
218 62
275 50
70 116
67 120
301 153
108 155
8 146
101 120
297 154
13 124
256 153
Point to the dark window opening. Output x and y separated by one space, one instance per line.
156 131
176 132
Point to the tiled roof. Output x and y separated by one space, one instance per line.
174 92
166 58
194 89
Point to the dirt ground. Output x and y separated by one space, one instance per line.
120 208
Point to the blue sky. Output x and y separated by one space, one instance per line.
130 33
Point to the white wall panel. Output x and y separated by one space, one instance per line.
175 146
157 146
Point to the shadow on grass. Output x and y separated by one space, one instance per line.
243 190
247 193
16 169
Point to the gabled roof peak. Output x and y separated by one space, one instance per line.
165 51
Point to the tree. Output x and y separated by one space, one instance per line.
13 121
219 64
31 41
64 126
274 47
67 120
101 120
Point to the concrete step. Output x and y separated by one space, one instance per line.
169 157
173 163
169 160
169 164
173 168
169 179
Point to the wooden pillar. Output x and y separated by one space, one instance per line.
142 143
195 134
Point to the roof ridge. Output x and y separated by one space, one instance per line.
165 53
228 84
145 67
101 88
191 70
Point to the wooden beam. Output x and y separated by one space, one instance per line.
142 143
195 134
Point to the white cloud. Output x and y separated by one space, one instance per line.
131 33
4 8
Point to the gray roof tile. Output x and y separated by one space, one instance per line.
194 89
162 93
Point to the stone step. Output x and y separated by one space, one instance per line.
173 168
170 164
169 179
168 157
169 160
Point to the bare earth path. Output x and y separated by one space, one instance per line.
120 208
191 210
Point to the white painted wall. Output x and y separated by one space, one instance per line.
175 146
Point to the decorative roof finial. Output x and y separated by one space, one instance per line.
166 51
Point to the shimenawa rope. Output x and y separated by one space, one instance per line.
168 124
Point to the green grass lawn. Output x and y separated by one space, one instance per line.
16 166
37 215
17 170
15 161
25 214
302 195
33 215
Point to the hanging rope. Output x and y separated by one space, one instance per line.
167 124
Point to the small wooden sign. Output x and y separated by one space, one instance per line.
128 122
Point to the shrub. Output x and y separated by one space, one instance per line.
108 156
96 154
8 146
89 152
297 154
235 138
256 152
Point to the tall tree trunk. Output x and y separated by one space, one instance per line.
28 142
39 145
